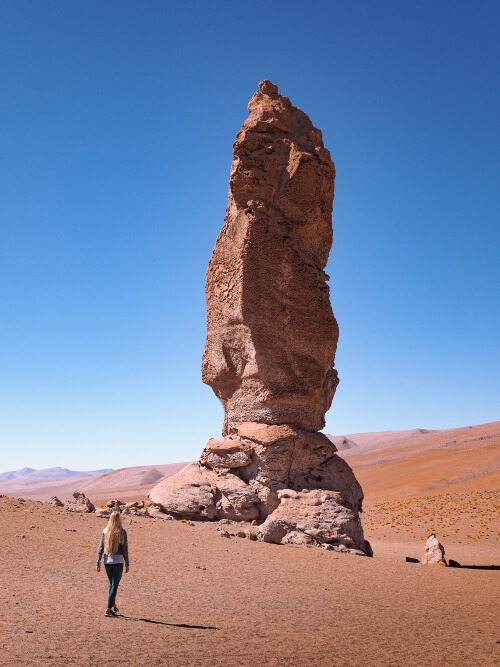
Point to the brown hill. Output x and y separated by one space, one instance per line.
126 483
402 464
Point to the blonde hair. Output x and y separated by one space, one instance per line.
113 533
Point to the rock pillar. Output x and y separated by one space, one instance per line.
271 341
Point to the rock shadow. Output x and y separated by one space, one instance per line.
454 563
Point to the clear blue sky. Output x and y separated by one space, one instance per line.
117 120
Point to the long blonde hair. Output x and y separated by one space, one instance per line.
113 533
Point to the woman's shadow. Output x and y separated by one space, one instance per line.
173 625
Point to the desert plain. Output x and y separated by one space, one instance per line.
193 597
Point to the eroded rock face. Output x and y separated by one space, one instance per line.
188 493
271 333
271 340
315 517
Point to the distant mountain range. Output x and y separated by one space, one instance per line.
129 483
387 464
48 473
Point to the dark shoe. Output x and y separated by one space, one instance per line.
109 612
115 609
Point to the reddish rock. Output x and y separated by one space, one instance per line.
271 340
318 517
271 333
80 503
188 493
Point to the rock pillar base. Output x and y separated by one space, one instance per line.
290 481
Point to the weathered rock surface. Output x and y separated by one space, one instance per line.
80 503
286 469
315 517
56 502
187 494
434 551
156 513
271 333
271 340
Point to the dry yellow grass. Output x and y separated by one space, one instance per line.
457 518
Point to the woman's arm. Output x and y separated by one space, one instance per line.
99 552
125 550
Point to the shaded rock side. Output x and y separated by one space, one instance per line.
271 333
288 478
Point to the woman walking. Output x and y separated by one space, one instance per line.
115 548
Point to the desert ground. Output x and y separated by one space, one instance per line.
193 597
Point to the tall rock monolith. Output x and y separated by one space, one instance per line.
271 341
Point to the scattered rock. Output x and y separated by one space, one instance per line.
240 533
80 503
56 502
157 513
434 551
272 530
251 532
136 504
115 503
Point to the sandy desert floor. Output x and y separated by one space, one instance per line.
193 597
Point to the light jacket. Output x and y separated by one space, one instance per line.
122 548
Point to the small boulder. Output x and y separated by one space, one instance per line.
80 503
272 530
56 502
115 505
434 551
157 513
137 504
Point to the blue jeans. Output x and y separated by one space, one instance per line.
114 572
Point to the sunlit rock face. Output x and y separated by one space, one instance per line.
271 331
271 340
